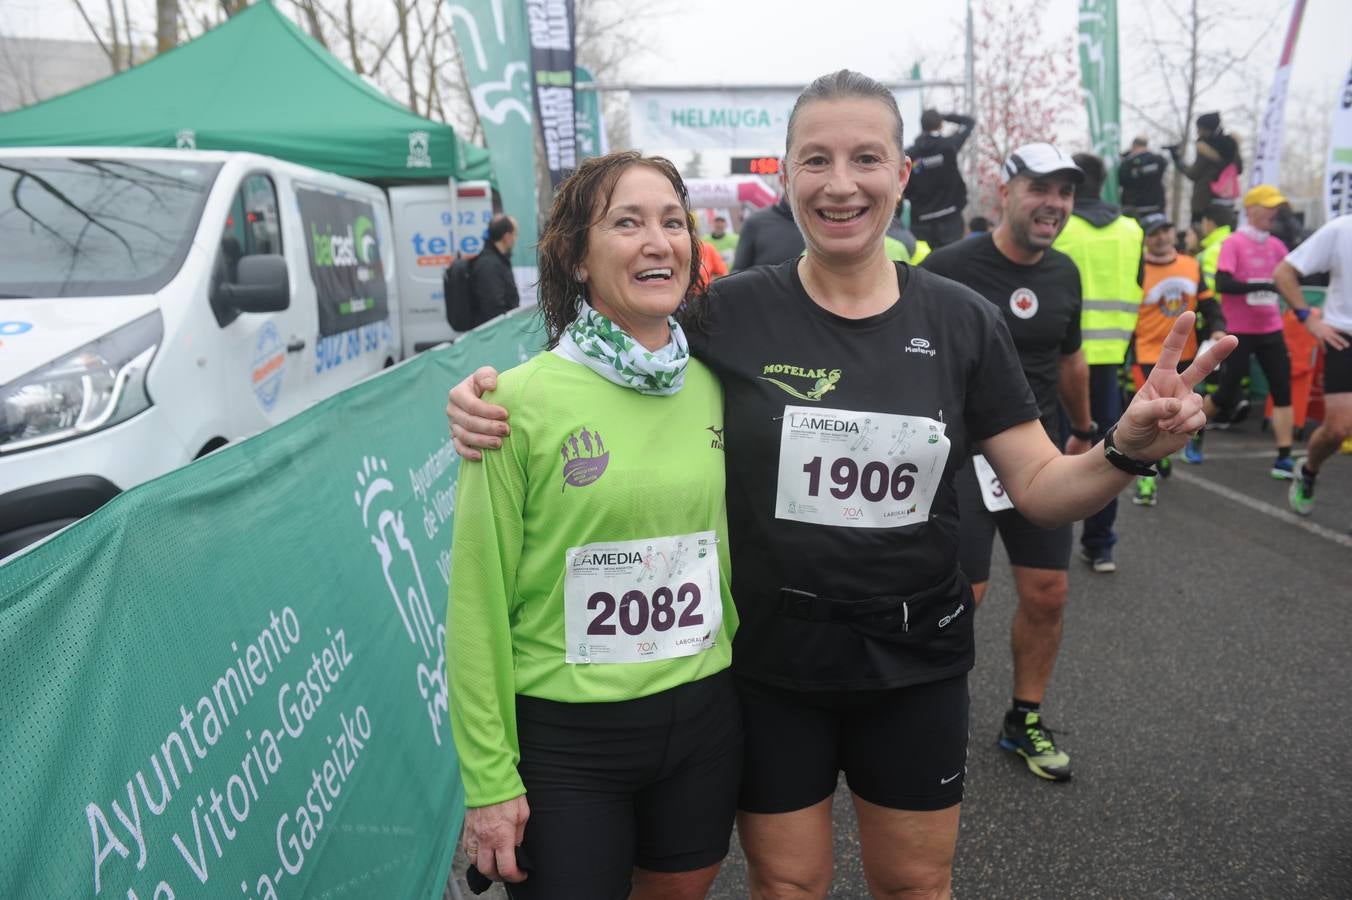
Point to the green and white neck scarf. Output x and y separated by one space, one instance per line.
605 348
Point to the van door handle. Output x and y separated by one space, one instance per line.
295 346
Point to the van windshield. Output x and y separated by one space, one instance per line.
96 227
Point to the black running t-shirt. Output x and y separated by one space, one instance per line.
1041 306
842 440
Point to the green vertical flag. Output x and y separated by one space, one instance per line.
491 38
1100 84
591 130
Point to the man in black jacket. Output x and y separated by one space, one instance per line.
1141 175
491 280
769 237
936 189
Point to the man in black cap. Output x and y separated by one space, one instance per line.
1171 284
1216 169
1141 175
936 189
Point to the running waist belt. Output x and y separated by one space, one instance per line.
816 608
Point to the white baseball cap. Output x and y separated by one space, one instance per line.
1039 159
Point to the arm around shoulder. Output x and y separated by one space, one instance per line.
486 547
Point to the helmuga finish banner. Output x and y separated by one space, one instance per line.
344 254
229 681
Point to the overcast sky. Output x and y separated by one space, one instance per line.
793 41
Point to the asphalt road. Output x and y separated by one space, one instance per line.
1204 692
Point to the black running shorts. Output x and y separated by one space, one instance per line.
1273 359
650 782
1027 544
1338 369
902 748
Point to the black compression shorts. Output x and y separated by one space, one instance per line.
1338 369
650 782
1026 543
902 748
1273 359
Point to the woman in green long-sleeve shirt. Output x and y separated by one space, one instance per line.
590 613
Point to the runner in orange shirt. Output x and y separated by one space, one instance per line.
1171 284
711 262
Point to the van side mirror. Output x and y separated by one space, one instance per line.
261 285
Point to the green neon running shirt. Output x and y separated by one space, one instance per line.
657 465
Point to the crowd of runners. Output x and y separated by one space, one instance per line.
732 541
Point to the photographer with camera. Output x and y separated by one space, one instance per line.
1216 168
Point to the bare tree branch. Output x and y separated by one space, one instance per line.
98 38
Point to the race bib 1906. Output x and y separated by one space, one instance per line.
858 469
644 600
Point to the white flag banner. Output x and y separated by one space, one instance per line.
749 120
1338 173
1267 158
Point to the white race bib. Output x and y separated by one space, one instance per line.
858 469
992 491
644 600
1261 298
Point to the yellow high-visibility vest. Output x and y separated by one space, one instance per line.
1211 254
1109 260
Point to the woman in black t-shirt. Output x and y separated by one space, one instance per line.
854 387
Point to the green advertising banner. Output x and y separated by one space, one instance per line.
345 263
492 39
1100 86
591 131
230 681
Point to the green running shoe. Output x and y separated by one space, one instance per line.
1166 466
1147 492
1300 495
1025 735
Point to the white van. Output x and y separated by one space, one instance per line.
428 233
158 304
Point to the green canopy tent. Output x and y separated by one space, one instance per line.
256 83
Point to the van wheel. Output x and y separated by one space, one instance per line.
211 446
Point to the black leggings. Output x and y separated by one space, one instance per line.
1270 350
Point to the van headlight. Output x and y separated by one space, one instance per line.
98 385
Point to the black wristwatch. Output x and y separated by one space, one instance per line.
1088 434
1121 460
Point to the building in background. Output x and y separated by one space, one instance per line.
34 69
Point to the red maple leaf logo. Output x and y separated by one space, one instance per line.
1024 303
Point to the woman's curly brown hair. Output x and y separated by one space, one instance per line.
580 203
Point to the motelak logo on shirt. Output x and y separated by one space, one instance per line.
823 380
584 458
